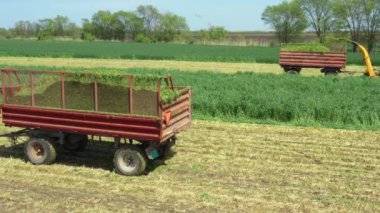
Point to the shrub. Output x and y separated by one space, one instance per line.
141 38
88 37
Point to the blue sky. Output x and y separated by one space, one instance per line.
237 15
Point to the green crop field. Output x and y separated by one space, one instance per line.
76 49
104 49
347 102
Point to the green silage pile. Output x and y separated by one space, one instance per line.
306 47
113 92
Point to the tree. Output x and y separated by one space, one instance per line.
213 33
371 22
60 25
88 30
4 33
146 24
72 31
287 19
25 29
171 26
127 24
151 19
47 29
320 15
217 33
351 14
205 36
103 25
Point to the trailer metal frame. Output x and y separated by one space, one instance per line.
328 62
152 132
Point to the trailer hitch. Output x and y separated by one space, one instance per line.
14 136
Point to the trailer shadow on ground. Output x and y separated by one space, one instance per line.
98 155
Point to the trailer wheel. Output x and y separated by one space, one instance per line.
75 142
40 151
166 149
292 72
330 71
130 161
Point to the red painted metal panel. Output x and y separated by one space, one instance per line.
81 123
317 60
4 93
312 60
159 106
98 123
179 100
10 84
130 96
180 115
313 55
82 130
86 123
81 115
312 65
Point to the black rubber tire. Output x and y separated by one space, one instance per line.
331 73
75 142
166 151
130 161
292 72
39 151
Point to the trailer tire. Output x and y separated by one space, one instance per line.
130 161
40 151
327 74
292 72
75 142
166 150
330 71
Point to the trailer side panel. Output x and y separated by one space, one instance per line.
312 59
145 129
177 115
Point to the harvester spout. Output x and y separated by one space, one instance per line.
370 71
367 60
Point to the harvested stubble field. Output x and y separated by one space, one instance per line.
217 167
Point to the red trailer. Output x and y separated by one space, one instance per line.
65 108
329 62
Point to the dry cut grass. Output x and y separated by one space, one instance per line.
223 67
217 167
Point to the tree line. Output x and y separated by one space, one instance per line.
145 24
357 19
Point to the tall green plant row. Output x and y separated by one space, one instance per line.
180 52
343 102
